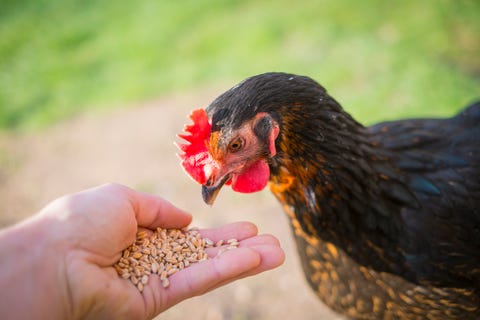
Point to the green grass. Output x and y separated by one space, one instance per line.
380 59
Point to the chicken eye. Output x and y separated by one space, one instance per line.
235 145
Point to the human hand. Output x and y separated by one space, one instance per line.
90 229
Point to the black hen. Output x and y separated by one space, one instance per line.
386 218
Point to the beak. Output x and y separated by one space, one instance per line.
211 189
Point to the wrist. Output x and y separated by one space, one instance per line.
32 270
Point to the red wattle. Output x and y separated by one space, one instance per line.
253 179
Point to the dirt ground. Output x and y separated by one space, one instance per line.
134 146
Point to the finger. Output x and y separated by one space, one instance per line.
210 274
203 277
152 212
271 257
236 230
263 239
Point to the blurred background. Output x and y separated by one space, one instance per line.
94 91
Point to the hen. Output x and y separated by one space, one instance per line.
386 218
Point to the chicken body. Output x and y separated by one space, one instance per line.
386 218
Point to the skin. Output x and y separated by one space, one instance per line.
58 263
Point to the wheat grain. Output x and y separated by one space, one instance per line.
164 253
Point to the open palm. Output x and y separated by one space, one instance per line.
99 223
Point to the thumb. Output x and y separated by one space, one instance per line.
152 211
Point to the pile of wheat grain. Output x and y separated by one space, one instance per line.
164 252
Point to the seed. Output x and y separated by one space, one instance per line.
169 255
163 275
118 268
138 272
195 242
233 242
144 265
164 252
137 255
141 234
222 250
171 271
165 283
155 267
172 260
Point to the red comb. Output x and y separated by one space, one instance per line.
195 154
